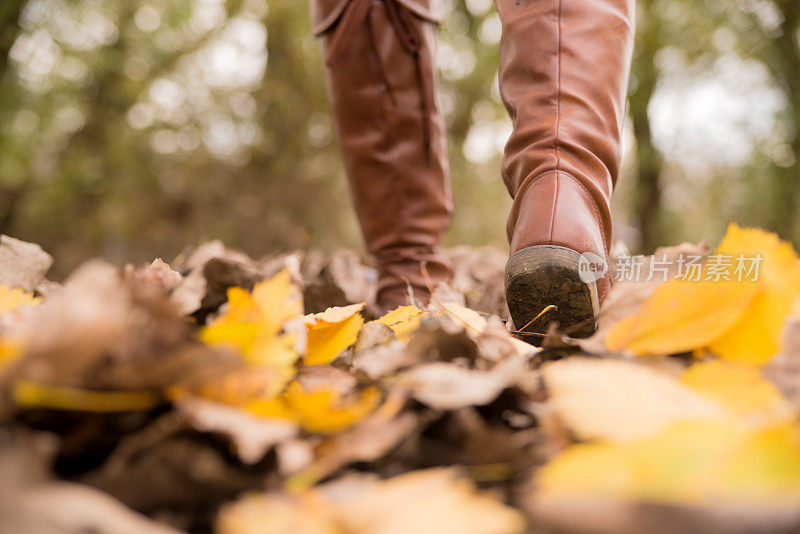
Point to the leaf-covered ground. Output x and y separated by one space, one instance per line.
222 394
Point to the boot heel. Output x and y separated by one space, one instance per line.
544 275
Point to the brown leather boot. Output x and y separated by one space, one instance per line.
564 67
381 83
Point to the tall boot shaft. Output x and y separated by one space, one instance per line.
564 68
380 68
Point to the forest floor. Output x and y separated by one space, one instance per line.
219 393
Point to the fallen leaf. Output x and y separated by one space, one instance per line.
235 387
22 264
435 501
627 296
384 360
478 275
9 351
274 514
251 436
321 410
28 394
335 280
756 337
331 332
689 462
12 299
256 323
447 386
619 400
681 316
476 325
403 321
99 333
369 440
740 318
739 388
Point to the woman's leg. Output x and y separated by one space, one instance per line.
381 81
564 67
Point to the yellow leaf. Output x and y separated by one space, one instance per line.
690 463
766 468
277 351
739 388
253 322
331 332
756 337
682 315
278 301
321 410
9 352
31 394
11 299
740 319
403 321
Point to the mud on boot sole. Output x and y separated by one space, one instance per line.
544 275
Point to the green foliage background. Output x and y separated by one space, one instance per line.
134 128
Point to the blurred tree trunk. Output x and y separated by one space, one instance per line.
649 160
785 67
9 30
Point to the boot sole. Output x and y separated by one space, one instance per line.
544 275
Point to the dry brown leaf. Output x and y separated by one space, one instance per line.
252 437
22 264
32 503
476 325
275 514
614 516
384 360
478 275
336 280
367 441
435 501
447 386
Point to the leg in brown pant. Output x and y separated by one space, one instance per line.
381 81
563 78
